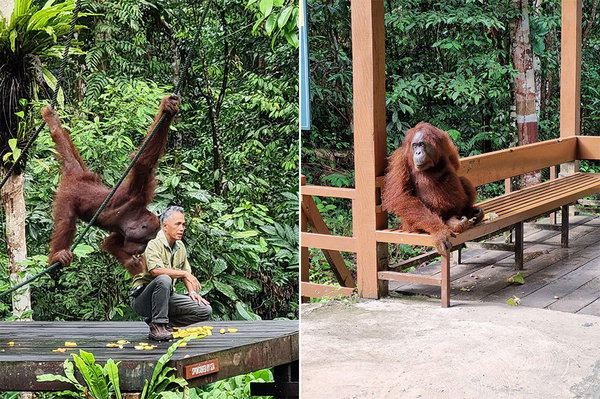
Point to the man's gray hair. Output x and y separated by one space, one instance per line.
169 211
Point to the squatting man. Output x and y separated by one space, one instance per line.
153 294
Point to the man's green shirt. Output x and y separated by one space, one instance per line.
159 254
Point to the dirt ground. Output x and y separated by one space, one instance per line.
413 348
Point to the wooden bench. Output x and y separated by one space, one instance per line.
513 208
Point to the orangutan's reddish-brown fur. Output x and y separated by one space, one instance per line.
434 199
81 193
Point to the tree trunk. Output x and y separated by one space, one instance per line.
537 70
14 207
525 93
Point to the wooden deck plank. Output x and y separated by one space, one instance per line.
561 287
591 309
545 263
492 285
548 268
578 299
256 345
474 265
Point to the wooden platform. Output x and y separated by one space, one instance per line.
256 345
559 279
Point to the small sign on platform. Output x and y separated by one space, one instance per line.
202 368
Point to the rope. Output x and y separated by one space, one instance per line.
131 164
59 81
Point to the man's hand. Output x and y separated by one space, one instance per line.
191 282
197 298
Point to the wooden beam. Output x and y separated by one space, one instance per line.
588 147
327 241
325 191
570 68
410 278
334 258
313 290
368 67
498 165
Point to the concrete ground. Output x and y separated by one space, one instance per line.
413 348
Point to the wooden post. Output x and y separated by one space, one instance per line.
570 75
304 261
368 68
570 68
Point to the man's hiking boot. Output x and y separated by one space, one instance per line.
168 325
159 332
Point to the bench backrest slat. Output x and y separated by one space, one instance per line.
499 165
588 147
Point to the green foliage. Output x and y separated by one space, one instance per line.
100 382
233 388
239 241
35 30
28 37
162 378
276 17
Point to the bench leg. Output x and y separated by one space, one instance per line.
564 228
457 255
446 281
519 246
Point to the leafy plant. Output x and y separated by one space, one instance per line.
102 382
162 377
233 388
280 18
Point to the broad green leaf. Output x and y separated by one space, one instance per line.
245 313
243 283
70 372
160 365
226 289
271 23
83 250
112 371
244 234
52 377
219 267
266 6
52 81
284 16
170 395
